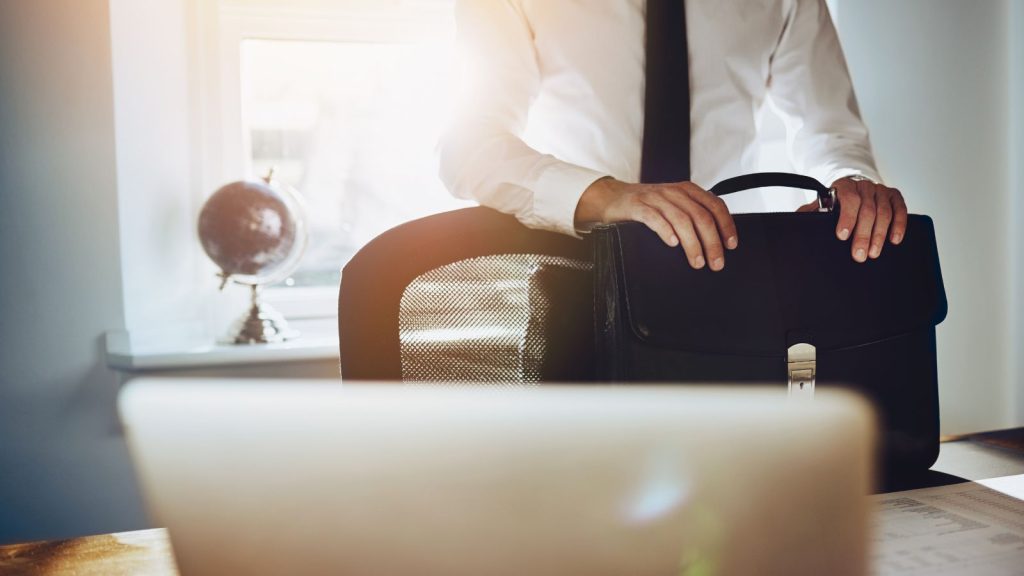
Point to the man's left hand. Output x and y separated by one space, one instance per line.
872 212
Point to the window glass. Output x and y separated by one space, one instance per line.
353 126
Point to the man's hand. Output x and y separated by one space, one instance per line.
871 212
680 213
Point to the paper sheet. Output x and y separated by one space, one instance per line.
973 528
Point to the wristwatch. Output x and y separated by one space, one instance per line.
859 178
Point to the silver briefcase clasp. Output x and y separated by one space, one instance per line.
801 367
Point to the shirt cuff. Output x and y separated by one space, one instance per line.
839 173
558 191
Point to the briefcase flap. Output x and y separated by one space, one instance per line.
789 279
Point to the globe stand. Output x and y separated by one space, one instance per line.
261 324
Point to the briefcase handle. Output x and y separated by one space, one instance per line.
826 196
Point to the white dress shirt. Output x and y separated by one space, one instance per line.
553 94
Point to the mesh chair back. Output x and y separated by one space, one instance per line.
484 319
468 296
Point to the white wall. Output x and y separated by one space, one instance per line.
932 78
1016 212
154 110
64 468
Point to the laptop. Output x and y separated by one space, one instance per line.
305 477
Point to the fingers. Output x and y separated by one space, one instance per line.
899 219
871 212
672 226
688 239
654 220
685 215
693 216
691 232
720 212
849 206
891 219
883 217
707 229
865 221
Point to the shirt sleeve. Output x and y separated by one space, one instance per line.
811 88
482 153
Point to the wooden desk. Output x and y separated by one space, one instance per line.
973 457
124 553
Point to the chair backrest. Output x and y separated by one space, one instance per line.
470 295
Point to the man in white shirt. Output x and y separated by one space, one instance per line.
551 122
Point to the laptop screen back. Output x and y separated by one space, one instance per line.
299 477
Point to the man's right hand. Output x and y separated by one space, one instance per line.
680 213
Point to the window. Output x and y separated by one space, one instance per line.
346 101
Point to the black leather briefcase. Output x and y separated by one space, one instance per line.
790 309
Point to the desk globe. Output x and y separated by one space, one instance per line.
255 232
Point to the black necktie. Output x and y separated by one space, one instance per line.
666 147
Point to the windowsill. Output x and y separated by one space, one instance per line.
318 341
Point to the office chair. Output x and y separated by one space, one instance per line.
470 295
